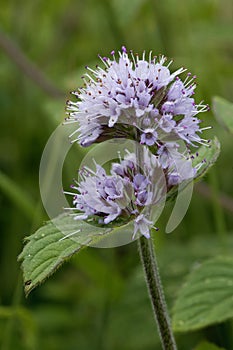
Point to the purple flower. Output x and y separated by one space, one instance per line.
131 192
167 123
140 182
177 166
149 137
142 224
123 194
101 194
133 92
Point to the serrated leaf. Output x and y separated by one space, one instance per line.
223 111
206 157
46 250
207 346
207 296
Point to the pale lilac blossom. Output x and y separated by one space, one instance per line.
132 92
131 189
125 193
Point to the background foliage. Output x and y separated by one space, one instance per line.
98 300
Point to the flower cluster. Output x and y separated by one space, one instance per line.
124 193
130 191
138 99
133 92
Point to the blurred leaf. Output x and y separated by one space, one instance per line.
186 260
207 346
207 296
207 156
55 243
25 321
133 316
126 10
100 272
223 111
17 195
53 317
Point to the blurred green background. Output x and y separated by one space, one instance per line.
98 300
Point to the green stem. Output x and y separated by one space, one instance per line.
156 294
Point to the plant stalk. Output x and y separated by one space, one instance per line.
156 294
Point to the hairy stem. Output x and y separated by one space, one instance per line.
156 294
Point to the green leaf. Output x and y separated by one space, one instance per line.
207 296
207 346
223 111
56 242
206 157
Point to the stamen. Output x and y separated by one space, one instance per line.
143 55
70 193
206 128
124 50
104 61
133 58
150 55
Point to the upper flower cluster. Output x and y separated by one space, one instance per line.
134 92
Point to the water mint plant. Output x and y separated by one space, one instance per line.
137 98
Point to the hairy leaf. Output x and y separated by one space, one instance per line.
207 296
55 243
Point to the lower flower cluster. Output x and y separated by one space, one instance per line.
131 190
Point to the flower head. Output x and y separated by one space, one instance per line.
131 189
125 193
101 194
132 92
